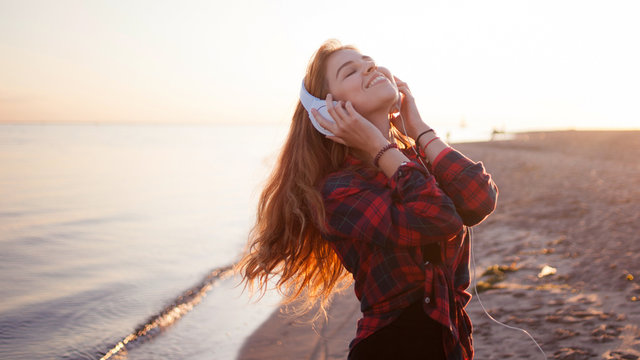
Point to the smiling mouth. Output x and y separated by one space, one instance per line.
376 80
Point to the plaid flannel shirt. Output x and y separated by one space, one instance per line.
381 229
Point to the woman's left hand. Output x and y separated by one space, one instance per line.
409 111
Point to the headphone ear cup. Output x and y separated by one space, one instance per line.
311 102
322 109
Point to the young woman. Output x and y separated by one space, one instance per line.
361 200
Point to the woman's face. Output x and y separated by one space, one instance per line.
354 77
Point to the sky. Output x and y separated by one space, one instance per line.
511 65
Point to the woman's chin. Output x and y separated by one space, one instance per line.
387 98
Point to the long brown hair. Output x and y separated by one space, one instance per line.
286 239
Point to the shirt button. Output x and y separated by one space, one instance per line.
427 300
426 262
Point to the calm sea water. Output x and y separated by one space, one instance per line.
103 226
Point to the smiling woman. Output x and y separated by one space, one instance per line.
362 202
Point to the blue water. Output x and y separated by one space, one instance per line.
104 227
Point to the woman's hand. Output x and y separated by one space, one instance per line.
415 125
409 111
351 128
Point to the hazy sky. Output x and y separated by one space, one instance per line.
513 64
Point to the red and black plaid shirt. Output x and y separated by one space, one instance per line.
382 227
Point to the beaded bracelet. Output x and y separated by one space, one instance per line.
379 154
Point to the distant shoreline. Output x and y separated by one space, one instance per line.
150 123
186 123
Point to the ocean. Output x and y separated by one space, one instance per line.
102 227
114 239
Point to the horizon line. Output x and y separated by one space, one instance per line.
206 123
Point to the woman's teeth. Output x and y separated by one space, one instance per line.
377 80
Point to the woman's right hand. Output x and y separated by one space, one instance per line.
350 128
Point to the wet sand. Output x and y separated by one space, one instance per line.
569 200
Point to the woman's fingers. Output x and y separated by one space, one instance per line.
341 110
398 81
336 139
405 91
402 86
329 125
343 119
332 110
350 128
351 110
332 126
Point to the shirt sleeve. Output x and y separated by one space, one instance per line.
409 210
468 184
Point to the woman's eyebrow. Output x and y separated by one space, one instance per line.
364 57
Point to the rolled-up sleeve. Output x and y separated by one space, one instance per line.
409 210
468 184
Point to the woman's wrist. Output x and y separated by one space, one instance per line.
432 147
426 132
375 145
390 161
415 131
381 152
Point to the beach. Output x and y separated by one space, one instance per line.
559 257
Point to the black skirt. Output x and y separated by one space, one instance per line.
414 335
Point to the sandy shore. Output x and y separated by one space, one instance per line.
569 200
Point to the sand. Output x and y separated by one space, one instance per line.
569 200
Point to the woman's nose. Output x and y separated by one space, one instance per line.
369 66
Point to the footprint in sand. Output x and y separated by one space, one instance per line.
556 302
573 353
606 333
564 333
619 355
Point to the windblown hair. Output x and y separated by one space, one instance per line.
286 239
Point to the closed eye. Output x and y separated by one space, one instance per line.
351 62
351 73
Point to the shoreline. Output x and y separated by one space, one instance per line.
569 200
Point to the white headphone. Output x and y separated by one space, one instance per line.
311 102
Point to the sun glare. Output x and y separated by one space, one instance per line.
497 63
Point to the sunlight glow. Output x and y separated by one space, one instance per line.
496 64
